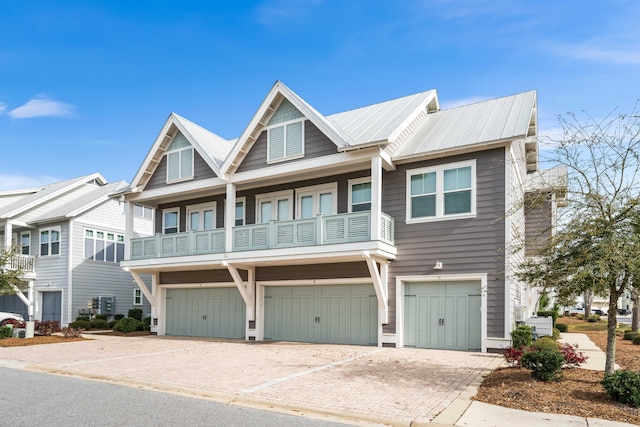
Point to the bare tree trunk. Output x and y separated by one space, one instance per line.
612 323
635 297
588 299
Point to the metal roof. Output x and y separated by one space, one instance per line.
214 146
381 121
483 122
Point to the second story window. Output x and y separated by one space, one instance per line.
315 200
274 206
170 221
240 210
360 195
103 246
285 133
141 211
202 217
25 243
179 159
442 192
50 242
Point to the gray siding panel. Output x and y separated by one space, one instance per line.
538 219
198 276
316 144
313 271
201 170
464 246
52 271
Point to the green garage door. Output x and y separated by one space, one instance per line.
210 312
339 314
442 315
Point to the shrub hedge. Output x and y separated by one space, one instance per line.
623 386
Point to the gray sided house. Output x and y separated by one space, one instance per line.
71 238
396 224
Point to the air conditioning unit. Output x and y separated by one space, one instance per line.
19 332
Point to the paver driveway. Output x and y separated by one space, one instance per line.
387 385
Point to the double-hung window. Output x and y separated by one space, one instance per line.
274 206
240 211
179 159
170 221
137 297
50 242
25 243
311 201
360 194
202 217
441 192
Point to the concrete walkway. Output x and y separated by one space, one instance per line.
351 384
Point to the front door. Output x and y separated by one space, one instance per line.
52 306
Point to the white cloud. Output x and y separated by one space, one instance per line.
20 182
445 105
588 52
41 106
3 107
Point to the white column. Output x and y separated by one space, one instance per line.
128 229
8 231
376 196
230 216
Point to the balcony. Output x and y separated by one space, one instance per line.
23 262
321 230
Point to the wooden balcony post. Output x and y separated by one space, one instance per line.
376 196
230 216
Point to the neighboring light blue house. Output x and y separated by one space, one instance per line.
389 225
71 236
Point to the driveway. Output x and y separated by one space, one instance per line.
371 384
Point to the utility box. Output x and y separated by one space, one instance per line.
543 325
107 305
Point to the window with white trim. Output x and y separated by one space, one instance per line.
360 194
142 211
285 133
137 297
201 217
274 206
240 211
441 192
319 199
170 221
25 243
50 242
179 159
105 246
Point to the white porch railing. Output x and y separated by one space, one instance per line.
25 263
321 230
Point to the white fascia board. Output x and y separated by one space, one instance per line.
179 189
288 256
154 148
76 183
305 165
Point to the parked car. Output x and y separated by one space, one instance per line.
4 316
574 311
623 312
599 312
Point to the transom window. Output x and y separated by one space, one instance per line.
170 221
360 194
50 242
442 192
202 217
103 246
179 159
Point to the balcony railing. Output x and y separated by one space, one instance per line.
321 230
23 262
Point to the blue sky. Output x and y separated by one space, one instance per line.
86 86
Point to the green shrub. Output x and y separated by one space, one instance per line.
636 340
112 324
118 316
83 317
580 317
136 313
146 322
555 334
126 325
544 364
630 335
623 386
101 317
521 337
593 318
544 343
82 324
99 324
6 332
562 327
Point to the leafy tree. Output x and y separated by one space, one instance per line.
10 273
597 248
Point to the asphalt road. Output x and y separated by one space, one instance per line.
33 398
